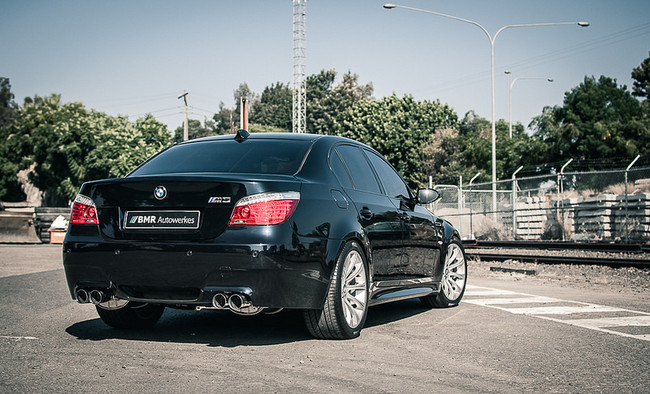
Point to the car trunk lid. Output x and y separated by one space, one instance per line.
178 207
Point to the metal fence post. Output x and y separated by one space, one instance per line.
627 216
471 228
561 179
460 206
514 202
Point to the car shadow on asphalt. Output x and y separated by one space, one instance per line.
225 329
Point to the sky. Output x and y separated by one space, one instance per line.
135 57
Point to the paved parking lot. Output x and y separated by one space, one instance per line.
50 343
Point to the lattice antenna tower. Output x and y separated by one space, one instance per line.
299 85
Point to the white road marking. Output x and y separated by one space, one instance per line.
518 300
16 337
511 302
564 310
628 321
475 291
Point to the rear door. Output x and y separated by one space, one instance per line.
376 213
421 247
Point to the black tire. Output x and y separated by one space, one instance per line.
346 306
133 315
454 278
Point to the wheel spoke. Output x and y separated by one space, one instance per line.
356 287
453 255
452 289
357 302
446 288
455 264
356 269
352 315
456 276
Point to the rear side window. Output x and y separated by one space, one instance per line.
359 169
261 156
393 183
339 170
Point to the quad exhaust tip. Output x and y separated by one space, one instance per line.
97 297
220 301
235 302
94 297
82 296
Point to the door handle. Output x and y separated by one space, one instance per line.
366 212
405 216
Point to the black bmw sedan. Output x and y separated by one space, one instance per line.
254 223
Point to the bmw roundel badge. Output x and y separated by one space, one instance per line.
160 192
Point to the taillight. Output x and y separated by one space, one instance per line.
83 211
265 208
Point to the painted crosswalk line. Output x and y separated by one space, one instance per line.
552 309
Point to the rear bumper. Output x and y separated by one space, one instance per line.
189 274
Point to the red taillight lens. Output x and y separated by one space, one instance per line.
83 211
264 208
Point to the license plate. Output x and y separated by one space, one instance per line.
161 220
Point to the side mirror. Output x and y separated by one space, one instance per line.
427 196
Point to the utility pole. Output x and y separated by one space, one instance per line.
185 124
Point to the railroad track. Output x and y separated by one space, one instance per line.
613 255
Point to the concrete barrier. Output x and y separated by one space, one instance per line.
18 227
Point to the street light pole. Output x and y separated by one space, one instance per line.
512 83
492 40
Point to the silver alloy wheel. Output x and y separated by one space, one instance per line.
354 289
453 277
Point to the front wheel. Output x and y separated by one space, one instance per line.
132 315
346 306
454 278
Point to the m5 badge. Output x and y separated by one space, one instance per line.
219 200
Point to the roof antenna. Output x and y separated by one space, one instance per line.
242 133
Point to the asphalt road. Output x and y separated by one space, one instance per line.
50 343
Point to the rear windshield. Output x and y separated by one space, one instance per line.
263 156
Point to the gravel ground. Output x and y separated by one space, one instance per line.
626 279
562 252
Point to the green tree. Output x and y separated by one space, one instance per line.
70 145
641 76
195 129
442 157
227 117
10 189
7 105
224 120
323 114
274 107
599 120
398 128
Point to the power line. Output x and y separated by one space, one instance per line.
549 57
155 112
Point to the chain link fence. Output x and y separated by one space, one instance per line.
612 205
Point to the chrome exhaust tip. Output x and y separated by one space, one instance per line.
82 296
237 302
97 297
220 301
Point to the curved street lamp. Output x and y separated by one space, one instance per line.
512 83
492 40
